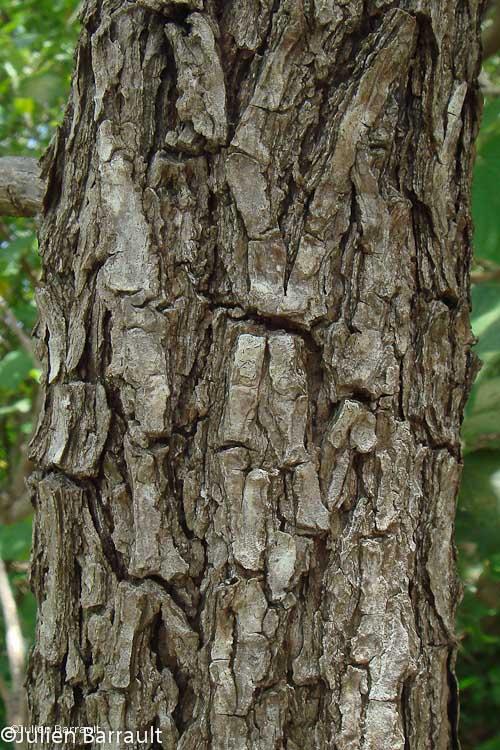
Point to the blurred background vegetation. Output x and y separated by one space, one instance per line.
37 40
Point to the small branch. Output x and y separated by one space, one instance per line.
12 324
491 40
21 189
15 502
480 277
491 34
491 91
16 651
15 499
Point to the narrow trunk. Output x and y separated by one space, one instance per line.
254 324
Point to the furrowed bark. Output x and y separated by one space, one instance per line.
255 329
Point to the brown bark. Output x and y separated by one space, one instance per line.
256 340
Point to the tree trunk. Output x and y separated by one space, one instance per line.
254 324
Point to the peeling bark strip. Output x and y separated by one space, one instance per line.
254 324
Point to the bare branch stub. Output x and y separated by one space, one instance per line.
21 189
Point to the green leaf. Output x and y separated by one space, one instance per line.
469 681
486 200
491 120
11 254
14 368
485 307
15 540
483 419
491 744
25 313
486 326
24 105
478 514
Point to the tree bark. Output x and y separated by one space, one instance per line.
255 327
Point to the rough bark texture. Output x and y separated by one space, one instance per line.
254 322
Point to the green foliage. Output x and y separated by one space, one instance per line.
486 196
37 40
14 369
15 541
478 516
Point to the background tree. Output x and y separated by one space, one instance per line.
353 246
